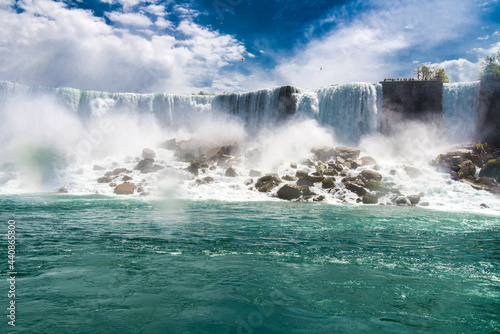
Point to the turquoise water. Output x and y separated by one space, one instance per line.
96 264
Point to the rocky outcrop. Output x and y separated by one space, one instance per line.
371 175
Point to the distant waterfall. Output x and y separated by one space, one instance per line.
460 110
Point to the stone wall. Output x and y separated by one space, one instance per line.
410 100
488 125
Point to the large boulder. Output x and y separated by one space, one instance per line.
231 172
370 199
346 152
414 199
267 182
364 161
358 190
309 180
118 171
371 175
148 153
125 189
170 144
467 169
323 153
412 172
104 179
147 166
289 192
491 169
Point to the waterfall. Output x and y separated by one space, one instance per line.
351 109
460 110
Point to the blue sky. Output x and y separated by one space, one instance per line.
188 46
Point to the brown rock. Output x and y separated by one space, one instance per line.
125 189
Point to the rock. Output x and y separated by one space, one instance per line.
248 182
118 171
370 199
402 201
347 164
231 172
339 160
104 179
393 172
267 182
112 184
97 167
328 183
126 178
309 180
467 169
194 168
208 179
412 172
330 172
484 206
306 191
346 152
289 192
366 160
301 173
125 189
424 203
491 169
290 178
254 173
320 198
414 199
213 167
293 165
62 190
147 166
358 190
170 144
148 153
371 175
323 153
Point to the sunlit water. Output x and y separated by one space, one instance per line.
95 264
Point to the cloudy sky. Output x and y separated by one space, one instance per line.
188 46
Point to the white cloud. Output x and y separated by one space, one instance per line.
132 19
459 70
50 44
367 47
162 23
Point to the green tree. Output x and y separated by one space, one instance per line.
491 68
425 73
440 74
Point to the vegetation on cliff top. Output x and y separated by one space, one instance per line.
491 68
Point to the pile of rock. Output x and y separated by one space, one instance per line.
462 165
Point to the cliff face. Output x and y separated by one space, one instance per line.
411 100
488 125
